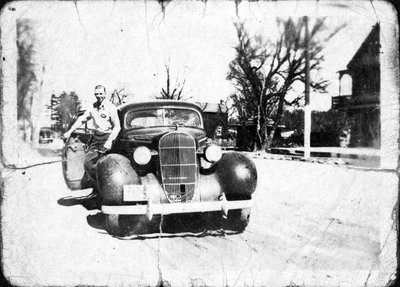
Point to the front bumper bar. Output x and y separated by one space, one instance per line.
173 208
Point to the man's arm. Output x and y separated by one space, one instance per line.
77 124
115 130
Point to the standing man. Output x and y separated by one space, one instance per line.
106 128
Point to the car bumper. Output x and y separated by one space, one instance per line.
151 209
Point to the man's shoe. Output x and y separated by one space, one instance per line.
93 195
90 201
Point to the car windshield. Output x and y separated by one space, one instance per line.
162 117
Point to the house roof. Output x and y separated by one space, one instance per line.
371 40
212 107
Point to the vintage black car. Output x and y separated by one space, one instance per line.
161 164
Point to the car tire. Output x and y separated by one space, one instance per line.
112 224
238 219
126 225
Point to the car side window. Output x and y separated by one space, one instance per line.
143 119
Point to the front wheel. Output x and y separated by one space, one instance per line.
238 219
125 225
112 224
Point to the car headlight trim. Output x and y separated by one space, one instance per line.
142 155
213 153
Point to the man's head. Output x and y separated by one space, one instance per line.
100 93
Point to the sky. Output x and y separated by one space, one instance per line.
126 44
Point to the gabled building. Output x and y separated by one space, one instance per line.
215 117
362 105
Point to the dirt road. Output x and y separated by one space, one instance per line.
313 224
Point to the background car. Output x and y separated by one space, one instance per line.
46 135
162 163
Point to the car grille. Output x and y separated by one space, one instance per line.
178 166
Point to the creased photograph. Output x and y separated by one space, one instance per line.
199 143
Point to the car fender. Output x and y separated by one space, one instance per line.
113 172
237 175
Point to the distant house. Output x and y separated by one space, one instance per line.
362 101
215 117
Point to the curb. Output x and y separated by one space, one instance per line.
374 158
322 157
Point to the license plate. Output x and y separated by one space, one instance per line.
134 192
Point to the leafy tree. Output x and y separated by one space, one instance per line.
54 113
294 120
265 72
327 126
28 80
64 107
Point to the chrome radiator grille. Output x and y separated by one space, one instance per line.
178 166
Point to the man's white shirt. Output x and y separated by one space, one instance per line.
105 118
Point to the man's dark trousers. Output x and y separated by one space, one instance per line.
95 151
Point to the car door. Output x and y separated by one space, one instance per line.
74 155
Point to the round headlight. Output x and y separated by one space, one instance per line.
142 155
213 153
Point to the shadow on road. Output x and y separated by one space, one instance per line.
169 226
176 225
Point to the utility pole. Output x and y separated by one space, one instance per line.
307 108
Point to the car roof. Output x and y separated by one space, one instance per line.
46 130
158 104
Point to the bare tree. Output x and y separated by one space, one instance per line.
118 97
264 72
174 92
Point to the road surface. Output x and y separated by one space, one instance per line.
313 224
